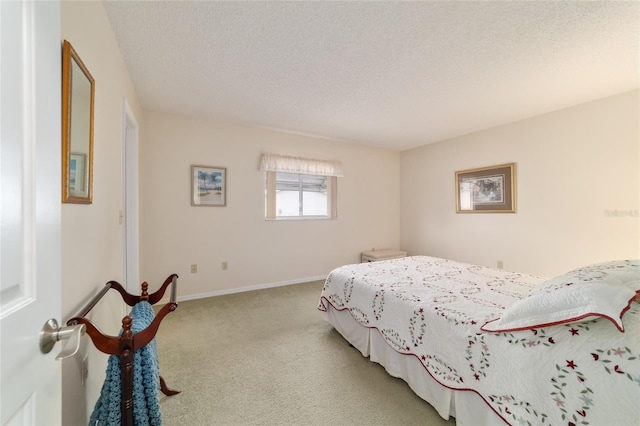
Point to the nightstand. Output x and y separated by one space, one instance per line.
377 255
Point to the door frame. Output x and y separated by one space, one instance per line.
131 231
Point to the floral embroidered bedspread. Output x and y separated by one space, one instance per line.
583 373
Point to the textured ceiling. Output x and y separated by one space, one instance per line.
389 74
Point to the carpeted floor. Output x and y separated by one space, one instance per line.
267 357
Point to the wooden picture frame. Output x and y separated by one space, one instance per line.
208 186
78 98
486 190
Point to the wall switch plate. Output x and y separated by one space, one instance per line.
194 268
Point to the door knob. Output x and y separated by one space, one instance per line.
52 333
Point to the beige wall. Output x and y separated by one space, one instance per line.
573 167
175 235
91 234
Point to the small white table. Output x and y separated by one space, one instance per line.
377 255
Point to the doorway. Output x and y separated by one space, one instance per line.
131 259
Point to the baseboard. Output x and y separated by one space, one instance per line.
249 288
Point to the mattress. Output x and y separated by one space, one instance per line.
421 318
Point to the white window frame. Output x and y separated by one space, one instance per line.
271 164
271 207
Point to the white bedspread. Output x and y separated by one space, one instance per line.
585 373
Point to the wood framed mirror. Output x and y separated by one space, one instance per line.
78 88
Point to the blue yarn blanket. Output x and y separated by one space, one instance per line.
146 381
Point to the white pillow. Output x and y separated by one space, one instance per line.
603 290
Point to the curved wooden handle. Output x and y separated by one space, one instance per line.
157 296
143 337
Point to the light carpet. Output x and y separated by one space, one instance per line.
267 357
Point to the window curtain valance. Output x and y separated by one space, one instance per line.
282 163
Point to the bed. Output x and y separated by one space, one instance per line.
488 346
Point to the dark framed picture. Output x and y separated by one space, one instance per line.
486 190
208 186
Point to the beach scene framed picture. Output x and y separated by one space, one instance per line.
78 175
208 186
486 190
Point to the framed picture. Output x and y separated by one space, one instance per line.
77 174
486 190
208 186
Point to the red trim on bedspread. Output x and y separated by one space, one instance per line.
417 357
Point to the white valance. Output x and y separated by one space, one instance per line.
282 163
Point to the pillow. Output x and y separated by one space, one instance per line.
603 290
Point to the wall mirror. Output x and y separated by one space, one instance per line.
78 89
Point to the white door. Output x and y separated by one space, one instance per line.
30 193
131 233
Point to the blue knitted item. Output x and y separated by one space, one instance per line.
146 381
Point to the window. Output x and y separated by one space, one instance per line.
296 195
300 189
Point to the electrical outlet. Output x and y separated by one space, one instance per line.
225 265
500 264
85 370
194 268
